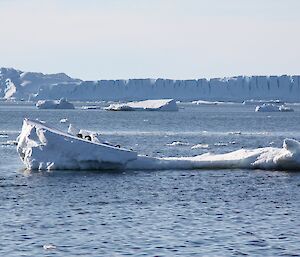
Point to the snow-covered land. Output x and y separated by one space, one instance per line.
37 86
54 104
147 105
273 108
44 148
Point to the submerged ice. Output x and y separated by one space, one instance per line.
43 148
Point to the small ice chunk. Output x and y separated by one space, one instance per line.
65 120
273 108
91 107
201 146
49 247
178 143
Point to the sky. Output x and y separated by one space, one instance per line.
177 39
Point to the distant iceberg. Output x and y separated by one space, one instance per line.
147 105
273 108
54 104
41 147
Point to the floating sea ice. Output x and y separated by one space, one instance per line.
284 108
147 105
43 148
256 102
91 107
54 104
202 102
220 144
273 108
49 247
201 146
178 143
65 120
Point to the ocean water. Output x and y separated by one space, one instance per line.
153 213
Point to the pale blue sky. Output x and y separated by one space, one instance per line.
180 39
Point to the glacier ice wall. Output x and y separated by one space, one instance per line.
286 88
39 86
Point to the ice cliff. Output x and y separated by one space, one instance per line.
37 86
24 85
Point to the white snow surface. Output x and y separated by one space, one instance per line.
273 108
147 105
54 104
44 148
38 86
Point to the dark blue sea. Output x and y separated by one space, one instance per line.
152 213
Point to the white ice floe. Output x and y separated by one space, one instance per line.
260 102
64 120
54 104
49 247
201 146
202 102
147 105
220 144
178 143
273 108
284 108
44 148
91 107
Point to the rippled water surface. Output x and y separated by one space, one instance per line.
153 213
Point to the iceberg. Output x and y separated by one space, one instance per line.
54 104
44 148
41 147
147 105
273 108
